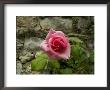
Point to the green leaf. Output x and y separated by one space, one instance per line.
75 39
66 71
91 57
39 62
54 64
78 52
75 51
70 63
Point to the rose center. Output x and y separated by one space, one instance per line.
58 44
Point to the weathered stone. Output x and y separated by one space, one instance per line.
57 23
26 55
35 72
27 68
32 43
26 58
18 67
83 23
19 42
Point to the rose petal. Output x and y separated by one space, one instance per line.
65 39
44 46
66 53
59 56
49 35
58 33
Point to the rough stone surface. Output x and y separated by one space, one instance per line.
18 67
58 23
32 43
27 68
26 56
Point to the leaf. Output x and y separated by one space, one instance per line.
91 57
66 71
54 64
70 63
78 53
75 51
75 39
39 62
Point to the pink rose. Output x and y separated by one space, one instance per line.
56 45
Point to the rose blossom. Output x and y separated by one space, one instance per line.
56 45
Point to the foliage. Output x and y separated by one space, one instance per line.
39 63
81 61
